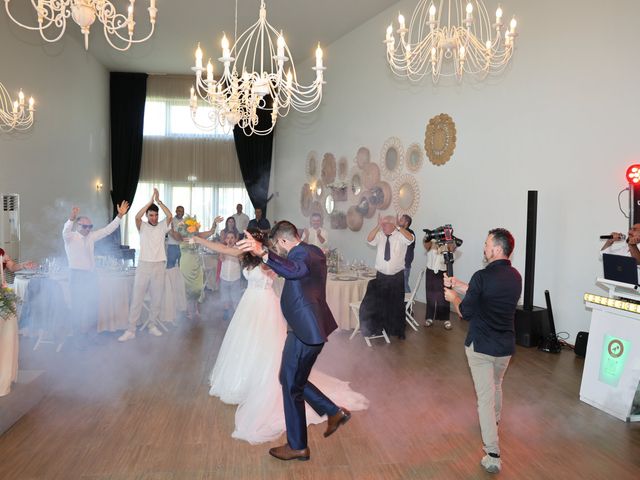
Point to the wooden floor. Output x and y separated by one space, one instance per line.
140 410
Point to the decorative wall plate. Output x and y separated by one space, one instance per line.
414 158
316 207
329 204
381 195
363 156
343 168
440 139
370 175
391 158
406 195
328 173
366 206
354 219
355 186
338 220
312 166
306 197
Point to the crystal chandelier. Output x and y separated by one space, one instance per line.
15 115
254 79
450 40
54 13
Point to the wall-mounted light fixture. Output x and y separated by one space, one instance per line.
99 186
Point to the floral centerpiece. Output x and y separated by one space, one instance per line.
333 260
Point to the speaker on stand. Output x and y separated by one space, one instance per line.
530 320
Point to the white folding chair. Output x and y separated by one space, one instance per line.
355 309
410 299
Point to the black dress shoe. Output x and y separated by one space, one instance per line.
334 421
285 452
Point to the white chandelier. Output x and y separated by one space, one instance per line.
54 14
15 115
254 79
450 41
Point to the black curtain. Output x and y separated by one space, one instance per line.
254 155
127 96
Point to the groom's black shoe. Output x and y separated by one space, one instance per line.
340 418
285 452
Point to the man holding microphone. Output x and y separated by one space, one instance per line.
615 244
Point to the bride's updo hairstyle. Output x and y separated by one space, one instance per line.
251 261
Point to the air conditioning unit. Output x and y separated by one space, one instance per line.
10 224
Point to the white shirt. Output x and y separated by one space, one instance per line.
152 241
435 260
230 270
399 244
174 223
312 238
242 221
80 248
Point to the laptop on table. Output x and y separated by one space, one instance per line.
620 268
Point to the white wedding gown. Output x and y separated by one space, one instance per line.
246 371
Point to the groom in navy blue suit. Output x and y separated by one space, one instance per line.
305 308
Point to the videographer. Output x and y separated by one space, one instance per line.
617 246
438 307
490 305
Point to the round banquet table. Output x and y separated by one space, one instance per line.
8 353
340 293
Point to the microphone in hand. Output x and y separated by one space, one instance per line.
620 236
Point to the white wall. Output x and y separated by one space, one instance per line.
562 120
57 163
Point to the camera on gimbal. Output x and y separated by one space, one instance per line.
442 235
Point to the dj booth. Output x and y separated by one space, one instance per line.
612 365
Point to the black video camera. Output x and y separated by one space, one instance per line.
442 235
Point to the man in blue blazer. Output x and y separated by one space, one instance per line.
305 308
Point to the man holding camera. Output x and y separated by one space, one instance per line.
490 305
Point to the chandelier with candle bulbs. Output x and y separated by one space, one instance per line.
53 14
15 114
254 79
450 40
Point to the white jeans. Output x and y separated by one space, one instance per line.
487 373
149 278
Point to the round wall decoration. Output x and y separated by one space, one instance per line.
363 156
306 197
354 219
406 195
381 195
354 185
392 158
328 173
312 166
414 158
440 139
370 175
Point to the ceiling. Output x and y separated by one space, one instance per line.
181 24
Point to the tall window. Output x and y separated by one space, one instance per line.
196 169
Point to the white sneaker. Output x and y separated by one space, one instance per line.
155 332
428 322
447 325
126 336
491 464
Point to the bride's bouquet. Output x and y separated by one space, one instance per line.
8 301
189 228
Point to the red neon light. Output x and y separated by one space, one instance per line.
633 174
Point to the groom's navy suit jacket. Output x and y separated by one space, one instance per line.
303 300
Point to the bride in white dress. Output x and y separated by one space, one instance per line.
246 370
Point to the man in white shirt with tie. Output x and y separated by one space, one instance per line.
391 241
151 266
79 244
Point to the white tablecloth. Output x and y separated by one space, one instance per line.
340 293
115 292
8 353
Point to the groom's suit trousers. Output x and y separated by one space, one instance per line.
297 360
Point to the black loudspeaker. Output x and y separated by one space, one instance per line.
530 320
581 344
